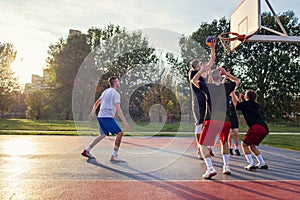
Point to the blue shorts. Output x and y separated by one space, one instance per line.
108 125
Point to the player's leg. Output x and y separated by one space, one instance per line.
205 152
236 141
235 133
260 133
248 140
210 170
115 129
103 133
198 130
224 136
248 155
230 142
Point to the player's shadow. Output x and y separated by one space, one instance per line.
180 190
157 149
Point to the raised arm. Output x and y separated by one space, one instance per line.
195 80
234 98
205 67
230 76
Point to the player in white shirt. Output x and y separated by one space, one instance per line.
109 102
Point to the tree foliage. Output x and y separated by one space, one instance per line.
37 105
8 83
66 57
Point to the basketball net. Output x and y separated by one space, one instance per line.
229 39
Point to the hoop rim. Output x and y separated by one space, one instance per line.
237 36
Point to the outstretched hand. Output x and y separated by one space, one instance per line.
213 43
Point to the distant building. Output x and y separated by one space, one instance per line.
38 82
74 32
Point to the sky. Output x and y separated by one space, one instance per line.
32 25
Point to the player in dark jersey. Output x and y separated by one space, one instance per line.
198 87
257 131
217 119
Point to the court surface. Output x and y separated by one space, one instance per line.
51 167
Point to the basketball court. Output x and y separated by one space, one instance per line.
51 167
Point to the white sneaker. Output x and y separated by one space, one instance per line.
226 170
116 159
250 167
210 172
262 166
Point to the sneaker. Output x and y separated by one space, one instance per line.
85 153
210 172
250 167
262 166
116 159
237 152
231 151
226 170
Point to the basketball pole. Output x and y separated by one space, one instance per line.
280 37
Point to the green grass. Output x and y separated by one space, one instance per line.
45 125
68 127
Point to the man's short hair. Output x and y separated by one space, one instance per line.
215 74
112 80
194 63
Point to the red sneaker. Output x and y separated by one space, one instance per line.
85 153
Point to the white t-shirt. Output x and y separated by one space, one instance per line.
109 98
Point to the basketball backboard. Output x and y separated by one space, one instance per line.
245 20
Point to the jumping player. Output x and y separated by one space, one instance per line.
257 131
197 74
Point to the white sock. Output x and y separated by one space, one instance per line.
208 162
226 159
249 159
115 153
260 159
88 149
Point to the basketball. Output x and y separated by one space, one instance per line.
210 40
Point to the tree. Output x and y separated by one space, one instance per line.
65 59
115 52
8 83
37 106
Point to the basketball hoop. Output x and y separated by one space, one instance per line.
231 39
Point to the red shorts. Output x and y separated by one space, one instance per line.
255 135
212 128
